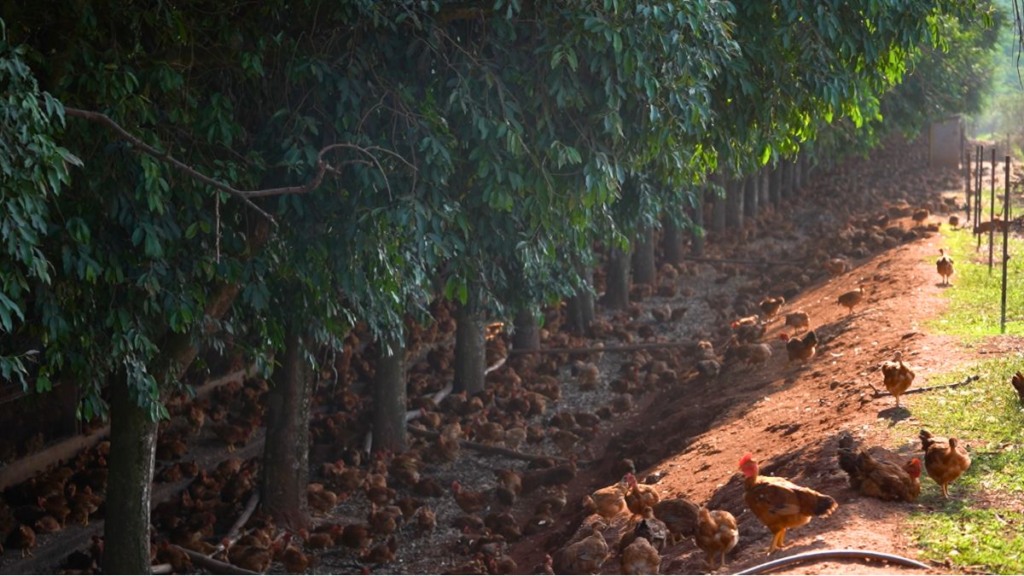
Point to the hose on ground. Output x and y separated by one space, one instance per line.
821 555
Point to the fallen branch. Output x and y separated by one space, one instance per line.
215 566
236 528
594 349
484 448
968 380
742 261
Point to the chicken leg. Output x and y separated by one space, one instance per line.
777 541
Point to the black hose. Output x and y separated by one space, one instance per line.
820 555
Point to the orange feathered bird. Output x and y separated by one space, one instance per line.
780 504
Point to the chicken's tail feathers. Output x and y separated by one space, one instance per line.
825 505
845 440
848 462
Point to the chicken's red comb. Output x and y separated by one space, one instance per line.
746 458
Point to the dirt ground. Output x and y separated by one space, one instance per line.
789 416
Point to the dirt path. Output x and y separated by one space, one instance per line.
789 416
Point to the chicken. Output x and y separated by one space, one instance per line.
639 497
251 557
179 560
837 266
321 499
798 320
426 519
716 535
747 329
944 265
584 556
852 298
897 376
780 504
802 349
879 478
1017 380
22 538
607 502
754 354
509 486
655 531
469 502
640 557
356 536
919 216
770 306
679 516
292 557
954 221
944 459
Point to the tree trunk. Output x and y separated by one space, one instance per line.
750 196
527 333
616 290
775 185
671 241
787 179
764 177
718 204
133 448
697 234
389 398
130 475
286 450
734 204
470 352
644 269
579 309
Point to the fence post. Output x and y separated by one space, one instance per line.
992 212
1006 241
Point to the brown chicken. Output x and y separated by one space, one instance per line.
468 501
897 376
679 516
22 538
640 557
607 502
944 459
638 497
1017 380
770 306
798 320
716 535
802 349
944 265
584 556
321 499
852 298
876 477
292 557
837 266
780 504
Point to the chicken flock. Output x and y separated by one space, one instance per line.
625 527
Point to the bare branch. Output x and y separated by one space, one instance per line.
245 196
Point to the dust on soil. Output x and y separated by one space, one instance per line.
789 416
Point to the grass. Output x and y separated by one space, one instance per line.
981 527
975 295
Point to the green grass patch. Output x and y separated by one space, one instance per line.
981 526
975 295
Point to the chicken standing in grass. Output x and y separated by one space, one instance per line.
944 265
944 459
897 376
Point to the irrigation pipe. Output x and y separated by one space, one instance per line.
820 555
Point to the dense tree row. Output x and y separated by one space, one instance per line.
266 176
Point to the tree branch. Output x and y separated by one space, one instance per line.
245 195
